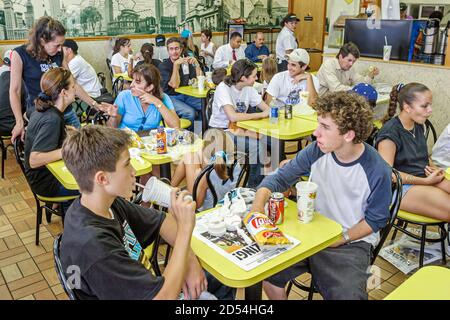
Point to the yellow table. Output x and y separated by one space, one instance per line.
196 93
314 236
428 283
282 131
124 76
60 171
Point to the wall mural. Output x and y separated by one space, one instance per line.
84 18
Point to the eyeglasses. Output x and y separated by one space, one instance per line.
144 120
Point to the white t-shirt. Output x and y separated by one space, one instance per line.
208 59
85 75
285 41
281 87
118 60
240 100
441 150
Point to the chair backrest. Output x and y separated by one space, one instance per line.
239 158
102 78
209 105
117 86
59 269
100 118
430 128
111 72
202 62
19 152
397 187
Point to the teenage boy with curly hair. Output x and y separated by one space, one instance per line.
354 189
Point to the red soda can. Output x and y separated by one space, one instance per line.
276 208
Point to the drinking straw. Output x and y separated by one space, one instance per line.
309 179
385 40
141 185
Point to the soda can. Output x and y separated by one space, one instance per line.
288 111
276 208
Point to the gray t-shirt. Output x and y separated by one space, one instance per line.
411 155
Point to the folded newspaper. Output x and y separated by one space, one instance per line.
237 246
404 253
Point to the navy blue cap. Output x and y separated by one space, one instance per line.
366 90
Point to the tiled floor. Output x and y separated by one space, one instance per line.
27 270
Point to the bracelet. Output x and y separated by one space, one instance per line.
409 179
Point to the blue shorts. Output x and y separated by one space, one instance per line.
406 188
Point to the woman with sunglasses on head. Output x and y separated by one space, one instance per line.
144 105
232 99
402 144
46 132
30 61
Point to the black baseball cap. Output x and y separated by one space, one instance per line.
160 40
291 17
69 43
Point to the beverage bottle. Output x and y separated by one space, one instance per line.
161 141
273 112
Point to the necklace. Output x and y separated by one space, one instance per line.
413 132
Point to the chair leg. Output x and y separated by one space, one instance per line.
443 236
399 224
38 223
48 215
311 289
3 161
422 245
288 289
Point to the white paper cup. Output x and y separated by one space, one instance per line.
201 83
387 53
208 75
158 192
306 200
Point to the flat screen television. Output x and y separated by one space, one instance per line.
369 37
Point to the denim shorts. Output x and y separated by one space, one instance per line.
406 188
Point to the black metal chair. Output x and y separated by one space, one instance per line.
48 201
240 159
102 78
111 71
4 147
397 187
117 86
209 106
100 118
405 218
60 271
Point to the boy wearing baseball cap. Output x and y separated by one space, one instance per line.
286 86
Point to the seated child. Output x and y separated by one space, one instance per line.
218 149
104 234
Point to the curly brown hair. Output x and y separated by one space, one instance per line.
350 111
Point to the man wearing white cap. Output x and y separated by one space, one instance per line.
285 87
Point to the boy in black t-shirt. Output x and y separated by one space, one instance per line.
104 234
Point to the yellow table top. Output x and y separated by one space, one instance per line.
192 92
428 283
284 130
314 236
124 76
177 153
60 171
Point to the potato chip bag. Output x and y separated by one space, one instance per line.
266 234
136 141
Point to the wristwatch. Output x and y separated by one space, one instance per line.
158 106
346 236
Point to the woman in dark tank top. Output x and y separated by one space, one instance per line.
29 62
